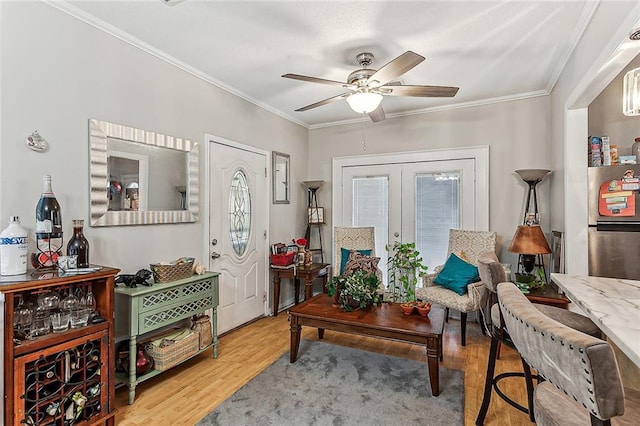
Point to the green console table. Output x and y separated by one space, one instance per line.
145 309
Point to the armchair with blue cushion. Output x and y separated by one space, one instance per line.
456 284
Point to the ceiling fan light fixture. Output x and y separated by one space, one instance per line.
364 102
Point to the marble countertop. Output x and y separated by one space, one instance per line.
612 303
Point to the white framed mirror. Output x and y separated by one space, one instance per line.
141 177
280 177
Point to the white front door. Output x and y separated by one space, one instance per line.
238 226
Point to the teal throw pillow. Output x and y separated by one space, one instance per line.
344 257
457 274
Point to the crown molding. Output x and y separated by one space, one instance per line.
470 104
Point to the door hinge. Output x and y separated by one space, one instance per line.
264 297
265 172
264 236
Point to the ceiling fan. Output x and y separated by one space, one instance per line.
367 86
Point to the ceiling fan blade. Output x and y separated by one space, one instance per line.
316 80
395 69
420 91
377 114
324 102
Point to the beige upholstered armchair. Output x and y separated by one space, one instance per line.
468 245
351 239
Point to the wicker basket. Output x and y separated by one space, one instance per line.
173 354
202 325
174 272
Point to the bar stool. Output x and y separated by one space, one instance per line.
582 381
492 273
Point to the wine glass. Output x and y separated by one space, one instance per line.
22 318
88 300
69 302
48 300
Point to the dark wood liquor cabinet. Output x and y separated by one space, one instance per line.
58 378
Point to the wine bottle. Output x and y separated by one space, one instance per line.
48 228
78 244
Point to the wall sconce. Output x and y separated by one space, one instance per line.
631 93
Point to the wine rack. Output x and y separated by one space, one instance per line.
63 385
65 378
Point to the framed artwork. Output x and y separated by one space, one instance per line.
315 215
557 253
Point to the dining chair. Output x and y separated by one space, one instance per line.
492 273
582 383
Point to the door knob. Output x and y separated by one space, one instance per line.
215 255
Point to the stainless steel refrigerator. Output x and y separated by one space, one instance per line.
614 221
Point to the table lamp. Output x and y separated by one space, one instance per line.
529 242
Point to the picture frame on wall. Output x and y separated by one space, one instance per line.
557 253
315 215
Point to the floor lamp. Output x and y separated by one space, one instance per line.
532 177
312 187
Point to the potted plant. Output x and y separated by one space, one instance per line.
357 291
405 267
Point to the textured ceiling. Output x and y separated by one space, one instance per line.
492 50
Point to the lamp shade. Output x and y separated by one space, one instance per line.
312 184
529 240
364 102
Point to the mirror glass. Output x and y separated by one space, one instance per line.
280 177
141 177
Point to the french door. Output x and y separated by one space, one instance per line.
413 201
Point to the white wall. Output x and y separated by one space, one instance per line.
58 72
517 133
591 67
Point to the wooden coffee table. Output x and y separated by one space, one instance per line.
385 320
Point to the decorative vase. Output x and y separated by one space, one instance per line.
307 258
144 361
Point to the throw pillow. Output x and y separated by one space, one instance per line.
361 262
457 274
344 257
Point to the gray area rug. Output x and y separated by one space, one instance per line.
336 385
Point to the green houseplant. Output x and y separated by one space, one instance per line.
356 291
405 267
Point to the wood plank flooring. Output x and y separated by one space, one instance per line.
188 392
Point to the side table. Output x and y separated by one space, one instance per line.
548 295
307 273
144 309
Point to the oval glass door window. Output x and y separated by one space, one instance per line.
239 212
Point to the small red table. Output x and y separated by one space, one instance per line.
307 273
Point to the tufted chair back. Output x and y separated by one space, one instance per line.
576 366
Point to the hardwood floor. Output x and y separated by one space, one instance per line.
188 392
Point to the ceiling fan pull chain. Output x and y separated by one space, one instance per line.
364 142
